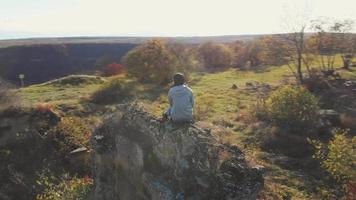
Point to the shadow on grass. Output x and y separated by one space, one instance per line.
152 92
302 174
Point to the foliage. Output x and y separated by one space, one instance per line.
44 107
295 41
324 44
114 91
237 48
215 55
68 134
333 36
113 69
151 62
275 50
251 54
67 188
268 50
292 107
185 57
338 157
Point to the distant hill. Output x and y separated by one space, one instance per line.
120 40
43 59
43 62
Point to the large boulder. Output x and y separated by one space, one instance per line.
138 157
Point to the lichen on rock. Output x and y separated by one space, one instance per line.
139 157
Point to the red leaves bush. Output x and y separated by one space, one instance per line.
113 69
44 107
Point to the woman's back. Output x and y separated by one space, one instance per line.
182 103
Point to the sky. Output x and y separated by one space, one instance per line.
65 18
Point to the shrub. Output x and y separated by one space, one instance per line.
279 141
249 55
185 57
338 158
259 109
215 55
76 127
44 107
114 91
292 107
69 134
151 62
67 188
113 69
274 50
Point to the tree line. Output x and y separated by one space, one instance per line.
156 60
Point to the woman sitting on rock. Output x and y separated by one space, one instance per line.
181 101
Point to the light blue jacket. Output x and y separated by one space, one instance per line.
181 100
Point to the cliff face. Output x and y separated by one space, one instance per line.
138 157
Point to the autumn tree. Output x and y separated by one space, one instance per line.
275 50
113 69
214 55
184 56
151 62
269 50
324 43
346 41
295 24
238 59
296 43
333 37
338 158
251 53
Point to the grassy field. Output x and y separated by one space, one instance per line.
214 93
70 90
219 105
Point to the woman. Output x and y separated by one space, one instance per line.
181 101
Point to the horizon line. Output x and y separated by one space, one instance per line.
143 36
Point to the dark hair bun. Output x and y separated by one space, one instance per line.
178 79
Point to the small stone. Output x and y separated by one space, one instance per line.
249 83
98 137
79 150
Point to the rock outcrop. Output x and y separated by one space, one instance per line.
138 157
24 150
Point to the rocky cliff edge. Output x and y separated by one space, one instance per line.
138 157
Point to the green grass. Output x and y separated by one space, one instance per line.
213 92
65 91
348 74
